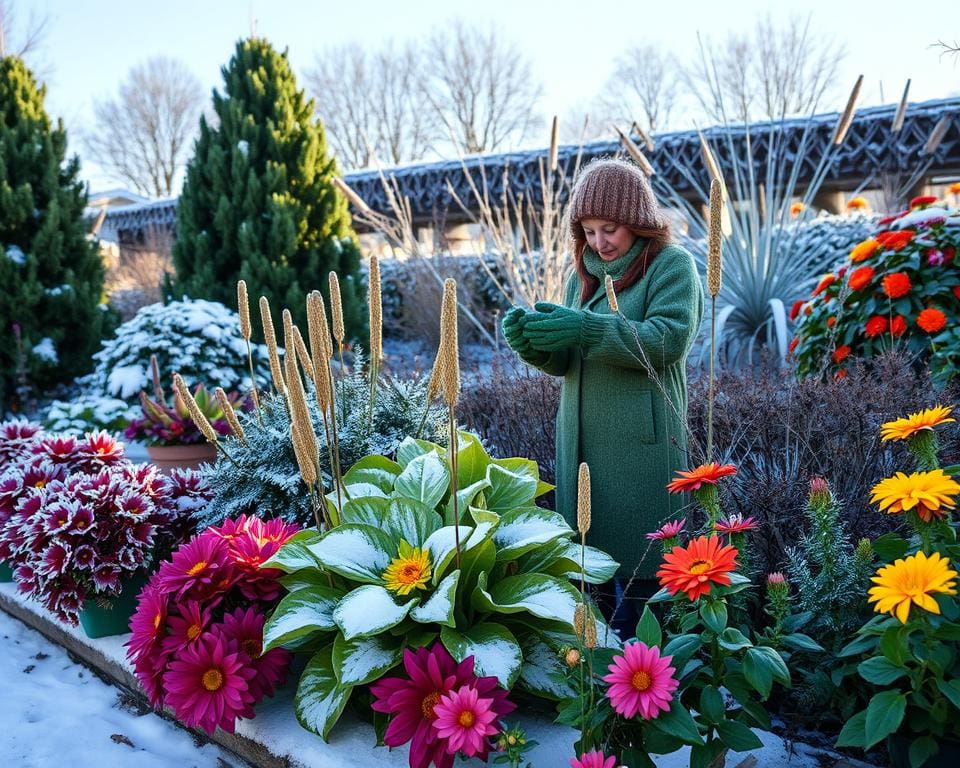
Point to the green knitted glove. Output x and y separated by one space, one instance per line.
512 325
552 327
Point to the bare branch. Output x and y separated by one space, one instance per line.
644 87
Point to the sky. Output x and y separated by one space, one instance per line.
92 44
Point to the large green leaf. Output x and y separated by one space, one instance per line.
441 544
678 723
509 489
320 698
294 554
763 665
368 510
438 608
598 566
306 577
880 671
737 736
412 521
466 497
374 469
301 613
358 552
472 461
527 528
364 659
369 610
495 650
542 674
648 629
884 715
853 733
410 448
424 479
546 597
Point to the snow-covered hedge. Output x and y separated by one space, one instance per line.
199 339
89 414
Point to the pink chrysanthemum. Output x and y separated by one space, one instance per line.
196 568
246 628
186 628
641 681
466 721
207 685
594 759
736 524
668 531
147 624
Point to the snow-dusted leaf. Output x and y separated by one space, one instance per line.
320 698
369 510
376 470
472 460
410 448
523 529
300 613
496 652
305 577
442 546
546 597
425 479
359 490
368 610
360 661
598 566
465 497
438 608
411 520
542 673
509 489
359 552
294 554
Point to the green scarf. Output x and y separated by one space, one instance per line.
600 268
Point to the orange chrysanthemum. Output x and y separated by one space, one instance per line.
860 278
896 285
931 320
798 305
863 251
841 353
797 208
705 474
875 326
831 321
858 203
954 189
895 241
898 326
921 421
692 569
828 279
923 201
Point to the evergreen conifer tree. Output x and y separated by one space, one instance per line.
259 202
50 272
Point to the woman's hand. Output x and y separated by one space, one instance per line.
552 327
512 325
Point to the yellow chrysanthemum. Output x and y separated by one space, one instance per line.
930 493
901 429
409 571
912 581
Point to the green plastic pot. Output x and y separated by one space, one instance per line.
6 573
98 620
898 745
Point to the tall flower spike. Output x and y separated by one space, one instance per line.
449 346
318 334
843 124
376 312
715 239
336 309
611 294
299 410
229 413
243 307
195 413
583 499
270 337
302 355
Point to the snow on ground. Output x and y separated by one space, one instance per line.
56 712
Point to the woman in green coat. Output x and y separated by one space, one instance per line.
623 404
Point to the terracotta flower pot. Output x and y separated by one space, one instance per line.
101 621
169 457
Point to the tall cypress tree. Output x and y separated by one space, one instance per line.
51 275
259 201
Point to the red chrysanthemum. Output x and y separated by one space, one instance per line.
827 280
246 628
708 474
897 285
792 346
795 309
692 569
841 353
875 326
207 685
895 241
898 326
931 320
921 201
860 278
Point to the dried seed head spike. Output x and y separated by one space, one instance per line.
336 309
376 312
302 355
308 469
843 124
299 411
901 110
578 614
155 375
436 378
355 200
319 341
270 338
554 149
287 331
715 239
937 134
195 413
634 151
611 294
230 414
449 345
583 498
243 307
585 626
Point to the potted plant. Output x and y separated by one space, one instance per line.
16 439
172 438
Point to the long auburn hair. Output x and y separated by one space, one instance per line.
657 238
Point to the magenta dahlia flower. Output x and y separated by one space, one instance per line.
207 685
246 628
595 759
197 568
641 681
148 623
465 720
186 625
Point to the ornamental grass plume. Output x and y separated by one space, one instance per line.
912 581
642 682
231 415
843 124
321 348
634 151
270 339
301 432
336 315
375 301
714 273
583 499
180 387
243 307
448 359
584 626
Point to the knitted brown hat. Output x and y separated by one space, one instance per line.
613 190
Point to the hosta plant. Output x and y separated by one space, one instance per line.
399 572
899 287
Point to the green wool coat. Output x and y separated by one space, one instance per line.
630 429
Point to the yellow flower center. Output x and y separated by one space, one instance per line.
192 631
641 680
700 566
409 571
156 621
213 679
40 484
429 702
194 570
81 524
466 718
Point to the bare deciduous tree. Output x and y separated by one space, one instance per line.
373 103
482 87
773 72
16 40
144 134
644 87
